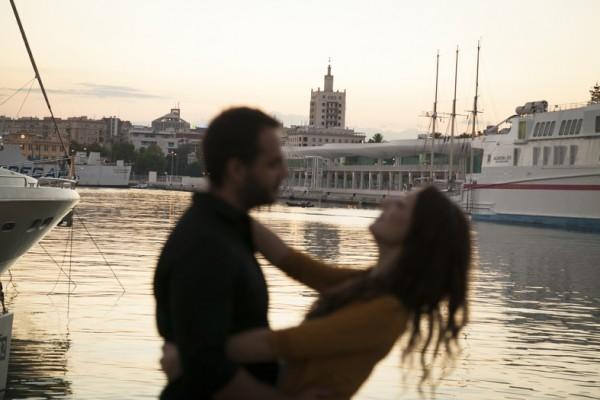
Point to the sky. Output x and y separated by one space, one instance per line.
137 59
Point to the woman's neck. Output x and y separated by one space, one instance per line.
388 258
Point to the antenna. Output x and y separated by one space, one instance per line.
434 115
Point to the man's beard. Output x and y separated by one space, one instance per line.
253 194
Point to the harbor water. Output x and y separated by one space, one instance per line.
534 331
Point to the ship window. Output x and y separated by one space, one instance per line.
573 126
598 124
568 127
8 226
536 131
578 129
34 225
489 158
46 222
516 153
547 129
572 154
536 155
559 155
546 155
552 127
562 128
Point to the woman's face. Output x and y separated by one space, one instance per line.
393 224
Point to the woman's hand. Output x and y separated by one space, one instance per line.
170 362
251 346
268 243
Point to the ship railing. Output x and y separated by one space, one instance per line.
568 106
57 182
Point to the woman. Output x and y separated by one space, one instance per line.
422 273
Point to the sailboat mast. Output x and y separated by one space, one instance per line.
474 127
453 118
434 116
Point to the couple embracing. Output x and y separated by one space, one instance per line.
212 299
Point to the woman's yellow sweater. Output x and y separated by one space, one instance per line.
336 352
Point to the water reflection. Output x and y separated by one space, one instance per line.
322 240
38 369
535 320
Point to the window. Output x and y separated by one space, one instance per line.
562 128
536 155
572 154
552 128
578 129
559 155
546 155
489 158
536 130
547 129
598 124
568 127
8 226
516 154
573 126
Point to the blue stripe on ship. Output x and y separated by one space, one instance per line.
578 224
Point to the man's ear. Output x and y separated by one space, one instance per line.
235 171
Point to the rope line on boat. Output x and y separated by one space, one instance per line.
25 99
17 91
62 263
60 269
99 251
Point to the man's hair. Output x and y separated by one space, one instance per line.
233 134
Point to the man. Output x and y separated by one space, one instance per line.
208 284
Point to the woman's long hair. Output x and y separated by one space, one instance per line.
430 279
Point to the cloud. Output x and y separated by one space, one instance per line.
96 90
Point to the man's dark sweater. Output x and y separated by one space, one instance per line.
209 286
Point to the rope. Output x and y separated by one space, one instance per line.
59 267
25 99
17 91
100 251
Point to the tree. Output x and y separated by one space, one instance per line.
595 94
150 159
123 151
377 138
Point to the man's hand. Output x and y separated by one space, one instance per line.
170 362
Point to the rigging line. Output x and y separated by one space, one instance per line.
56 263
65 251
17 91
70 265
25 99
99 251
39 77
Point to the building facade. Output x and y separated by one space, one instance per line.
307 136
34 146
327 107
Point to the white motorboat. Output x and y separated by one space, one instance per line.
29 209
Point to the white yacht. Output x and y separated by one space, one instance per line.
543 169
29 209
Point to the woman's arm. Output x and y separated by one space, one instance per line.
299 266
251 346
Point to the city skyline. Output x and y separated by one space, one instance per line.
134 59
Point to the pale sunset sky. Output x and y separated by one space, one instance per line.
137 59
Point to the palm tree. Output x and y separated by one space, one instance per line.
377 138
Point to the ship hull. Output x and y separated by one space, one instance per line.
549 197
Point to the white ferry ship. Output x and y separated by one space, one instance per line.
542 169
90 170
